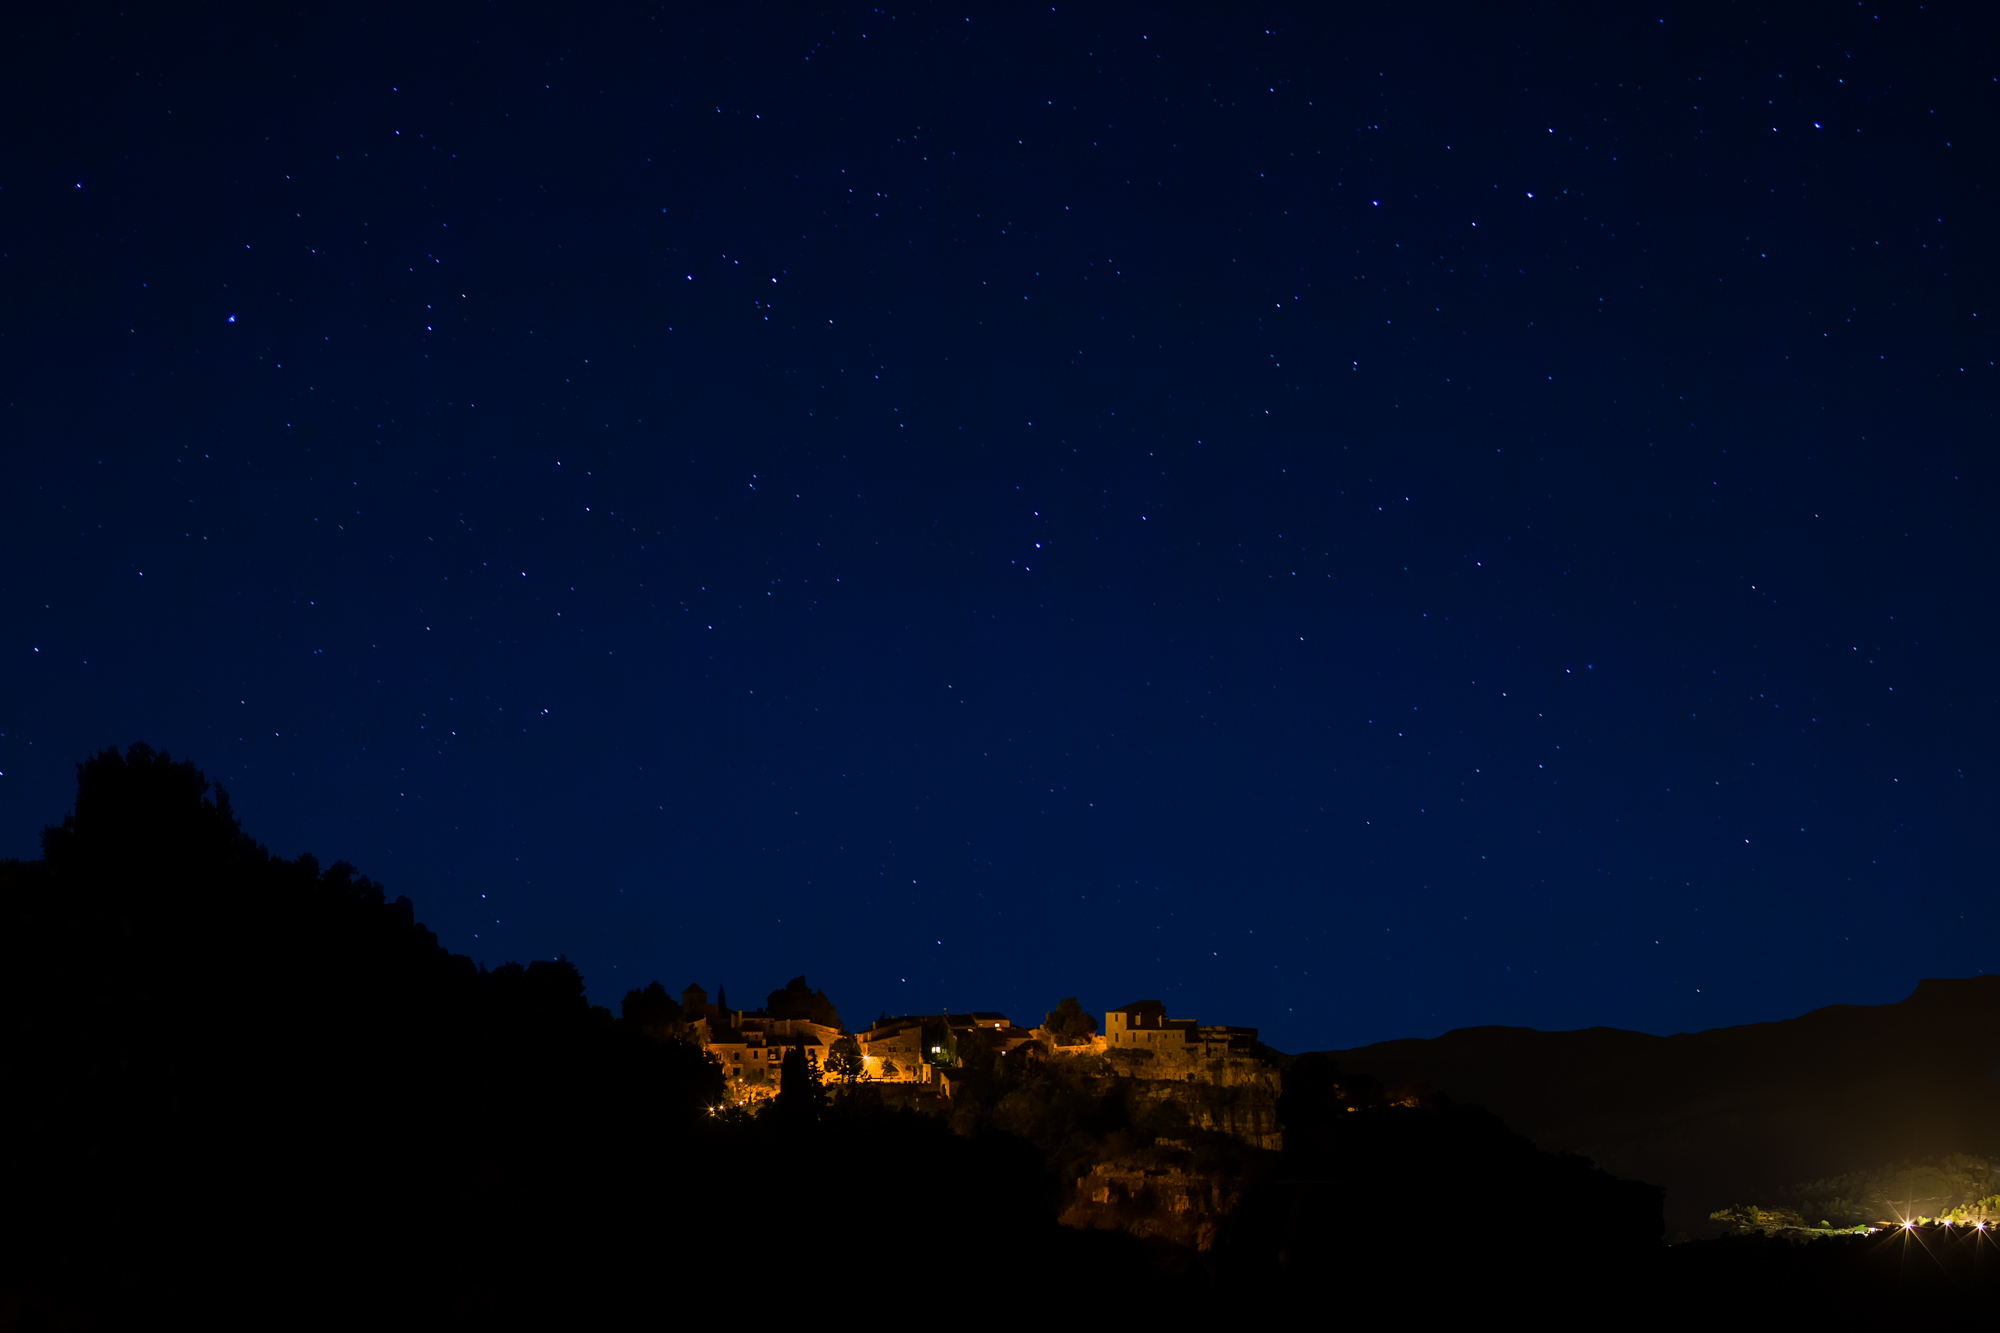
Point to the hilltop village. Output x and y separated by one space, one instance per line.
921 1052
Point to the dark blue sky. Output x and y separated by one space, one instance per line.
1357 524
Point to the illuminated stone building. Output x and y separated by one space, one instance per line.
753 1053
752 1046
1143 1025
916 1044
1139 1041
898 1050
1220 1075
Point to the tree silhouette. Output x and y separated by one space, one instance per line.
843 1059
652 1013
1070 1023
799 1093
797 1000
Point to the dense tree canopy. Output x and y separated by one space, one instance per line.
653 1012
798 1000
1070 1023
843 1059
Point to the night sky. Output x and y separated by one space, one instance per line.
1354 522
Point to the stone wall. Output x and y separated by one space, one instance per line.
1246 1110
1152 1199
1227 1094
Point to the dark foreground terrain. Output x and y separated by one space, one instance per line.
242 1089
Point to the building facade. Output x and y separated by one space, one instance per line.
752 1045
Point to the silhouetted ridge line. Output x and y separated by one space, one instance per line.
244 1088
205 1040
1734 1114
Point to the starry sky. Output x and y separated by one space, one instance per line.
1353 521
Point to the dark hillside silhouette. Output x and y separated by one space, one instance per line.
225 1071
248 1087
1359 1179
1734 1114
241 1089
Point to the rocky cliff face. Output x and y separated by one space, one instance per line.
1244 1108
1154 1197
1168 1190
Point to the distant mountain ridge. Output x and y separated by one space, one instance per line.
1732 1114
